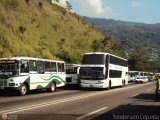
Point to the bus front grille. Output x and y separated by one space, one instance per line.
5 83
1 83
68 79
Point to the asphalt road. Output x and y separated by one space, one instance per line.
134 101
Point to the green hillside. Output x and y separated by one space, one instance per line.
129 33
140 41
39 29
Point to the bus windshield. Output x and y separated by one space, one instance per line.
94 59
92 73
71 70
134 74
8 68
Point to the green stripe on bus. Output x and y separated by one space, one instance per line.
54 77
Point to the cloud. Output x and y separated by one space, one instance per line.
136 4
93 8
97 7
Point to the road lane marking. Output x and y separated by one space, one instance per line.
134 95
25 108
32 96
149 90
47 104
91 113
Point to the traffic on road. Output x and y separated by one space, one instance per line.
100 88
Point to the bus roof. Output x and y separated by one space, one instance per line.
30 58
105 53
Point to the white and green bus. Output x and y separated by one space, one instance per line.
103 70
23 74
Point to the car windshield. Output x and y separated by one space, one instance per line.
139 77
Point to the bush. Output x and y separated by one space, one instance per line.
64 55
22 29
61 9
27 1
12 3
40 4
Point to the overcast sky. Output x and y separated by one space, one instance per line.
144 11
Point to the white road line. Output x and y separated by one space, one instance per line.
32 96
134 95
47 104
91 113
149 90
25 108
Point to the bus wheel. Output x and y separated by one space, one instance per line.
123 83
110 85
23 90
52 87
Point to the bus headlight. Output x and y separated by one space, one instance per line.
100 82
82 81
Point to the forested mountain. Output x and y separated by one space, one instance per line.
129 33
38 28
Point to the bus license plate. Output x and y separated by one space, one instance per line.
91 86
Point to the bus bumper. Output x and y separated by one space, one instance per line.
93 86
9 89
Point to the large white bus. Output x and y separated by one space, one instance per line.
25 73
103 70
72 73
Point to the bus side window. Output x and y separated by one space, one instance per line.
40 67
24 66
62 67
53 67
47 66
59 67
32 65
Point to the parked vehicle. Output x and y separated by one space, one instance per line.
72 73
103 70
23 74
141 79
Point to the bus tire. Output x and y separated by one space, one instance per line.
123 83
110 85
24 90
52 87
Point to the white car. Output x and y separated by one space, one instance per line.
141 79
132 79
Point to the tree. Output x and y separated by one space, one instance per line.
108 44
138 57
96 45
64 55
